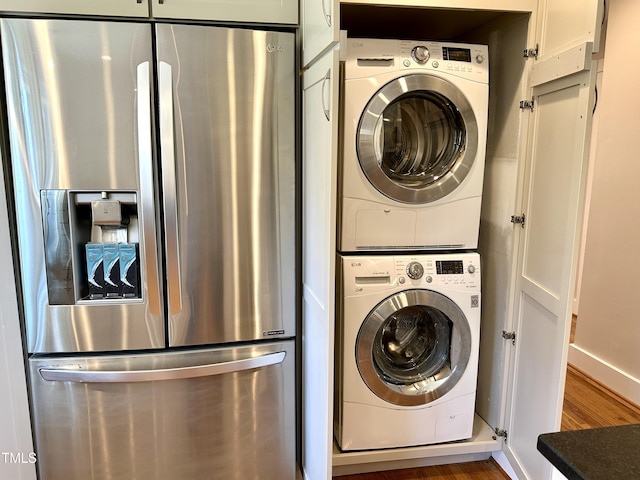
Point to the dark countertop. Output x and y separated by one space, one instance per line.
594 454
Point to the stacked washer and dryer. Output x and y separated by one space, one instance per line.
414 130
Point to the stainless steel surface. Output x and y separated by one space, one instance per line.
109 376
233 161
238 425
165 92
81 99
427 170
57 247
419 389
71 97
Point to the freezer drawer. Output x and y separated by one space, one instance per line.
167 416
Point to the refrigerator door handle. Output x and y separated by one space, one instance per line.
167 148
180 373
145 157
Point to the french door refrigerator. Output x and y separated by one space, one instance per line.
153 177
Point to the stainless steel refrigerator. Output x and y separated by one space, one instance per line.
153 175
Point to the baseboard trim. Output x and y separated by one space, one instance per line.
617 381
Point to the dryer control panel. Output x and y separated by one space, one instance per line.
470 61
367 274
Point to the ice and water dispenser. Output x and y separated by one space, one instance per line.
91 245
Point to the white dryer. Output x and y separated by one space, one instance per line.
407 352
414 132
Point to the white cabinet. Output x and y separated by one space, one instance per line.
535 165
245 11
319 185
552 199
320 23
253 11
18 459
121 8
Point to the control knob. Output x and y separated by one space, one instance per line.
420 54
471 269
415 270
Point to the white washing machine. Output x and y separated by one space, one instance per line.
414 138
407 352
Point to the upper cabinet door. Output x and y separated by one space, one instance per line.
320 27
258 11
120 8
565 24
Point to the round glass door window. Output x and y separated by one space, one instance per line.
417 139
413 347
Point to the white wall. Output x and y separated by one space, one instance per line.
16 446
607 340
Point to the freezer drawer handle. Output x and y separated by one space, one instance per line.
114 376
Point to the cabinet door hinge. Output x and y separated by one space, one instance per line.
518 219
501 433
509 336
532 52
527 104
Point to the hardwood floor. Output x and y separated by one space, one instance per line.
586 405
486 470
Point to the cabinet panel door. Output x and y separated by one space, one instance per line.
320 27
259 11
121 8
566 24
319 170
553 197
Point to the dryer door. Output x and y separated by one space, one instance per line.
413 347
417 139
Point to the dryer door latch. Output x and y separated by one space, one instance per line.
518 219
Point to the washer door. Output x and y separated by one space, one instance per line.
417 139
413 347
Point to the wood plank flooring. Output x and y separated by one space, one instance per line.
485 470
587 405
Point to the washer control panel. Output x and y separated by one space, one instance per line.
367 274
437 270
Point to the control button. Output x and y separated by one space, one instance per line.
415 270
429 279
420 54
406 62
479 58
435 64
401 280
471 269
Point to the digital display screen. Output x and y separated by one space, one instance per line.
456 54
449 267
